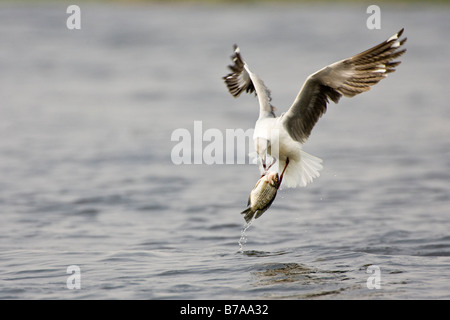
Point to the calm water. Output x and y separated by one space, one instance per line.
86 118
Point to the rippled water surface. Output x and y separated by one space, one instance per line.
87 179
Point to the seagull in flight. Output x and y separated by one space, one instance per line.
282 137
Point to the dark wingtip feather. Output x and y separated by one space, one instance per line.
235 87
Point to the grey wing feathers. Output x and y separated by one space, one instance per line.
347 77
242 79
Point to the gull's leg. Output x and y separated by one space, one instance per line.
282 173
273 162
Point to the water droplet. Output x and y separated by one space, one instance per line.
243 238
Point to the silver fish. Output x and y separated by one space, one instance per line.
262 196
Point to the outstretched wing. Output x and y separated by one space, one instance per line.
347 77
242 79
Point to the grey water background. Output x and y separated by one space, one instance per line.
86 177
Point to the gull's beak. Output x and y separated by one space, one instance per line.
263 161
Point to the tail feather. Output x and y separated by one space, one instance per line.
303 171
311 167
